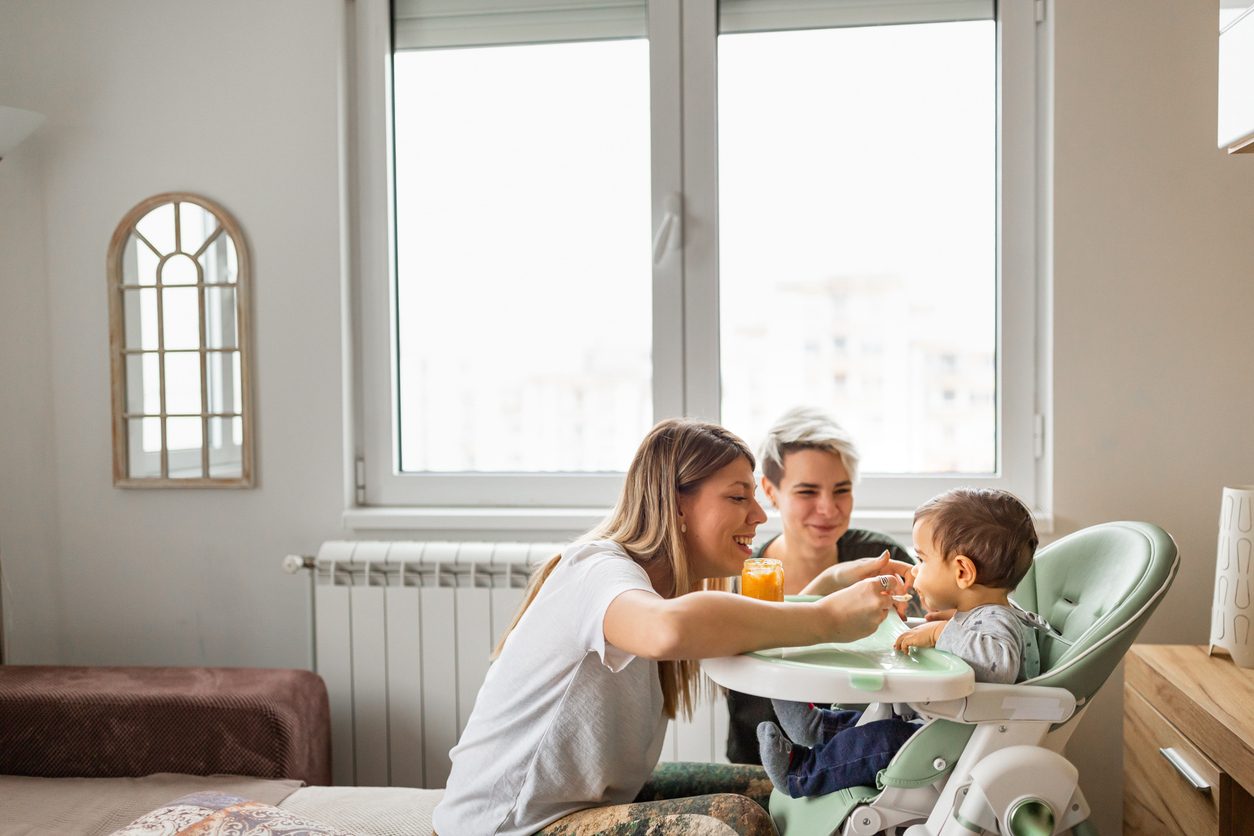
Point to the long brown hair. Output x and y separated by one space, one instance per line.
675 458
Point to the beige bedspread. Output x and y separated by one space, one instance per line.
368 811
98 806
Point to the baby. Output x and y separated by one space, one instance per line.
973 548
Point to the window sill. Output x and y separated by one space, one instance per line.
530 523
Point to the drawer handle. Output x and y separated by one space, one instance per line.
1182 766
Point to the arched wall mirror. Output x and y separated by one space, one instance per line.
179 287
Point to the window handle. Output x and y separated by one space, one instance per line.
670 232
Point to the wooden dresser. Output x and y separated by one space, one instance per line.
1188 743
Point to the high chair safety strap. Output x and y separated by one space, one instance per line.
1037 622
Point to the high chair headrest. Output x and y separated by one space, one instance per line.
1097 587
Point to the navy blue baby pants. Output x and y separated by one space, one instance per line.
847 755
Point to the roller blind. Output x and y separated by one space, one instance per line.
772 15
433 24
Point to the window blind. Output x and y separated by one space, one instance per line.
434 24
772 15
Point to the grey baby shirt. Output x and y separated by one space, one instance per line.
995 641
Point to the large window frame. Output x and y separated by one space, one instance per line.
683 70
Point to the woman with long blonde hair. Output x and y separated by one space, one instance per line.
572 713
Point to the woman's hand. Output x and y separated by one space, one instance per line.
856 611
925 635
843 575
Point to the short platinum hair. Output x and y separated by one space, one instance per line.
805 428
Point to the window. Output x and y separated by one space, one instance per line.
598 215
1230 10
522 257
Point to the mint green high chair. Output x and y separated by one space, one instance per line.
991 760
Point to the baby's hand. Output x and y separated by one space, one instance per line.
925 635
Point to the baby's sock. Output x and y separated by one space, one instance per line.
801 721
776 753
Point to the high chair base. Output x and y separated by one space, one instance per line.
1018 791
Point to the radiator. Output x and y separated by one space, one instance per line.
402 636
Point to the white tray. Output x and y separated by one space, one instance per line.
863 671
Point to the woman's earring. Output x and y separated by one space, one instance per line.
683 528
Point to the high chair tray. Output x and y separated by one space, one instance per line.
866 670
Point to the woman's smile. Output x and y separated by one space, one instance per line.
721 518
814 498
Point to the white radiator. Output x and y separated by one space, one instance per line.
402 635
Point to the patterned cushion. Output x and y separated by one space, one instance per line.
683 799
218 814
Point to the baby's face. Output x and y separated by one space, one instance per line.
934 577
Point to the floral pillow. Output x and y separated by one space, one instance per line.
219 814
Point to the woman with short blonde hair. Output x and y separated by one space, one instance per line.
809 467
806 428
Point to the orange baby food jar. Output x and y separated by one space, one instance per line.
763 578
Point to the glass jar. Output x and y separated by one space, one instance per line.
763 578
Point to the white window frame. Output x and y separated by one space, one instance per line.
683 40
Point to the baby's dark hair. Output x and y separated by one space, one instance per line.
992 527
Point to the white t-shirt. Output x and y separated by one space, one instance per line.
564 720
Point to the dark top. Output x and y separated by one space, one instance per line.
747 710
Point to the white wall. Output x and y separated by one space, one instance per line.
1153 276
238 101
1152 361
28 506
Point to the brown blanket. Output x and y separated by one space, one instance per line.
116 722
98 806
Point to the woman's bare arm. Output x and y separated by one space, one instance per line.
701 625
841 575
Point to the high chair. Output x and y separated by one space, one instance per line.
991 761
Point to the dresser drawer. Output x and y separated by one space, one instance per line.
1157 797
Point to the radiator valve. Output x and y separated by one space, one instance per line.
293 563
